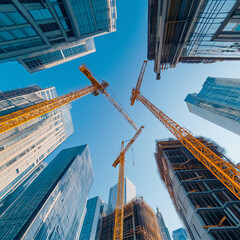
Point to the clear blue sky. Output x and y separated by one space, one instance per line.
118 59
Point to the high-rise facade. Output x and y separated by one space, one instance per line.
129 194
139 222
24 147
96 209
163 229
218 102
207 208
54 204
43 33
192 31
180 234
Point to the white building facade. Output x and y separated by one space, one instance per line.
24 147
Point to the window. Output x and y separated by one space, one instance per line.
5 20
18 33
17 18
6 36
64 24
237 29
41 14
49 27
30 32
58 11
230 27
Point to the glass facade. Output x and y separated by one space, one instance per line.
24 147
180 234
218 102
95 16
53 205
207 40
163 229
40 36
45 60
129 194
91 224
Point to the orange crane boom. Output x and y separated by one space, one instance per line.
225 171
17 118
83 68
118 226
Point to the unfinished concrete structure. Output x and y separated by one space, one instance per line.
139 223
207 208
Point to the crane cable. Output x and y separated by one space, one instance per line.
112 93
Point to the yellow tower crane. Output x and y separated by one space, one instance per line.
119 212
17 118
225 171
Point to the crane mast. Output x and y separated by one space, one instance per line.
119 212
225 171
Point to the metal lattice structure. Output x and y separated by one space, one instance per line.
119 213
17 118
225 171
102 89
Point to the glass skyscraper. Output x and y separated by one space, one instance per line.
43 33
218 102
91 225
24 147
54 204
163 229
129 194
180 234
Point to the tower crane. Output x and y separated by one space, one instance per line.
17 118
225 171
119 212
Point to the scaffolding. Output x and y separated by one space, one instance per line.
218 208
139 223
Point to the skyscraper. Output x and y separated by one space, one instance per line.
218 102
207 208
43 33
163 229
96 209
139 222
192 31
180 234
129 194
54 204
24 147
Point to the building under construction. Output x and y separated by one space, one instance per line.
140 223
207 208
192 31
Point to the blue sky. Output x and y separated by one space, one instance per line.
118 59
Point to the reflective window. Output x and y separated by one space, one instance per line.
48 27
230 26
5 20
6 35
18 33
30 32
41 14
237 29
17 17
58 10
64 24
